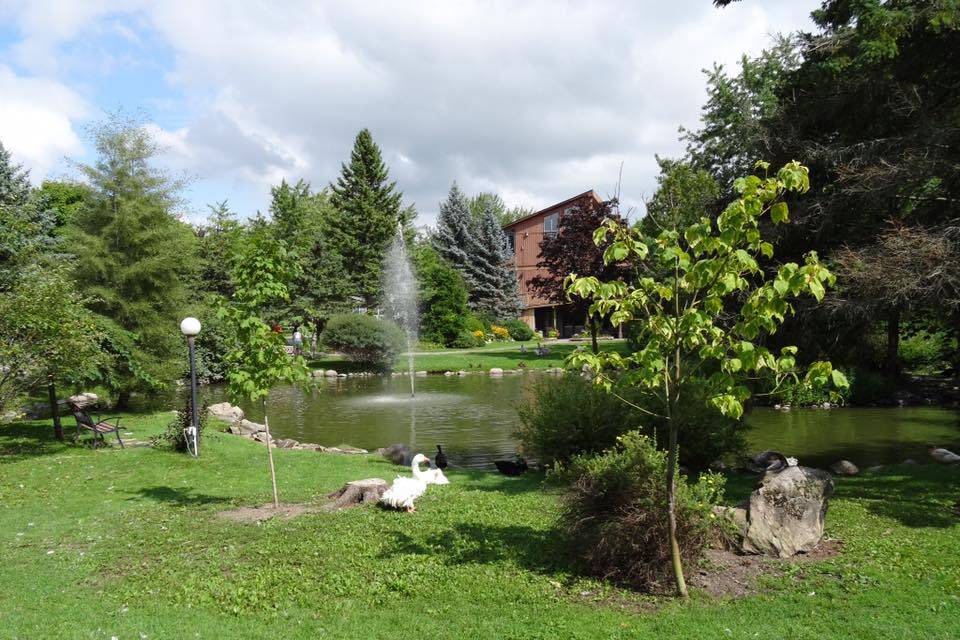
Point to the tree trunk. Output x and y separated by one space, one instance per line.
594 330
892 365
273 472
123 400
672 486
55 411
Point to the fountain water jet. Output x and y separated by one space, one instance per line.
400 288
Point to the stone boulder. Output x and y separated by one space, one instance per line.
844 468
330 373
225 411
85 399
246 428
496 371
786 513
286 443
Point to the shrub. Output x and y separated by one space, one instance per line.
467 340
475 323
553 333
174 436
569 416
926 352
614 516
442 300
370 341
800 395
500 333
519 330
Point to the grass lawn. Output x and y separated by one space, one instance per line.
506 355
127 544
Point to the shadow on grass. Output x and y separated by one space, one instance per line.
913 495
22 440
540 551
179 497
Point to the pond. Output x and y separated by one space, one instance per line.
474 418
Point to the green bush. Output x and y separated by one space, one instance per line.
174 436
466 340
615 517
370 341
442 300
568 416
799 395
476 323
519 330
926 352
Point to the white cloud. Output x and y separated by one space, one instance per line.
37 121
538 101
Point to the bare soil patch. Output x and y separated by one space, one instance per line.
266 512
727 574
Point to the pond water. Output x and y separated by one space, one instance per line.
474 418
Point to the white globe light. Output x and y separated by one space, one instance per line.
190 326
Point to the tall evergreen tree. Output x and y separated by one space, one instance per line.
368 210
307 222
454 239
26 227
133 254
501 295
218 243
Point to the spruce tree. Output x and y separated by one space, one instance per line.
476 247
133 254
368 209
26 226
502 296
454 239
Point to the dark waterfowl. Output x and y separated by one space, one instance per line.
511 467
440 459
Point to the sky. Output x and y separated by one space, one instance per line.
536 101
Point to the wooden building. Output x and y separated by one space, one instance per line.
524 236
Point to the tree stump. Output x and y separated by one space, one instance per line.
357 492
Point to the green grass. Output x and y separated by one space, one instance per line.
102 543
506 355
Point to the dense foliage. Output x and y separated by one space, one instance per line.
570 416
614 518
370 341
519 330
175 435
133 256
442 299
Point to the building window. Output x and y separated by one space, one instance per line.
551 224
511 242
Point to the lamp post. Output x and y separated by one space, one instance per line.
190 327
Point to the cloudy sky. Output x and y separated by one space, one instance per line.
535 100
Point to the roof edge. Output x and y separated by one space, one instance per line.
585 194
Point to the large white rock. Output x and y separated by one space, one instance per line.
496 371
330 373
225 411
786 514
844 468
84 399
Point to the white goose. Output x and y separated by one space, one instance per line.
434 475
404 491
943 456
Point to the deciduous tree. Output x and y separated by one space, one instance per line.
685 340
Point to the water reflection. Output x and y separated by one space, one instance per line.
475 418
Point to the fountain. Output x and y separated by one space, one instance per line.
400 287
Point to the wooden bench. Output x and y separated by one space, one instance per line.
97 426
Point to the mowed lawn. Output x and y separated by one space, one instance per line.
127 544
503 355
